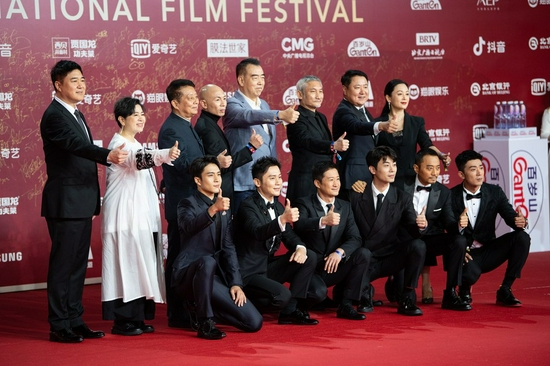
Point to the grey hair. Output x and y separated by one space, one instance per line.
301 84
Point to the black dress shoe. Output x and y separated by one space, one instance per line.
408 307
208 330
86 332
348 312
146 328
505 297
65 336
365 306
297 318
464 292
452 301
126 329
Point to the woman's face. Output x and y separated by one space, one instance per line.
135 122
399 98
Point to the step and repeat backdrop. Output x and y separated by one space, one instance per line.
459 58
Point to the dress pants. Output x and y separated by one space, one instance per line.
67 270
174 303
453 249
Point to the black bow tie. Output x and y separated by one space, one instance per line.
471 196
422 188
270 205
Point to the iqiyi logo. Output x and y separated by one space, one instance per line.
478 47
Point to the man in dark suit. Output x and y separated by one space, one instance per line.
386 224
309 139
212 100
328 228
432 203
206 270
69 200
351 117
247 110
178 180
261 224
477 204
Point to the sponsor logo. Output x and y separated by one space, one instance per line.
143 48
6 98
539 86
492 88
414 91
427 39
298 47
439 134
528 186
478 131
5 50
11 257
227 48
425 5
9 153
150 98
534 3
492 46
533 43
427 91
290 97
362 47
487 5
8 205
61 47
542 43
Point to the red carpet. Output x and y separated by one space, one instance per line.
488 334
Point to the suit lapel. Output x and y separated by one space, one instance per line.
74 122
433 197
484 202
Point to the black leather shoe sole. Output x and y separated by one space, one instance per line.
410 312
65 338
126 332
509 304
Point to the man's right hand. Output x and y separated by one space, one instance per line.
291 214
463 219
388 126
359 186
256 139
289 115
221 203
341 144
118 155
331 218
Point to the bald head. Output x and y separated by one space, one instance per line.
212 99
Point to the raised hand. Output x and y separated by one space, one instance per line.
256 139
463 219
520 220
341 144
446 159
291 214
289 115
174 152
221 203
421 221
389 126
359 186
224 160
331 218
118 155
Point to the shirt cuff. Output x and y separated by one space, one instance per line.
376 128
321 226
281 226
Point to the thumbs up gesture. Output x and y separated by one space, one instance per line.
341 144
224 160
421 221
289 115
291 214
463 219
520 220
118 155
221 203
256 139
331 218
174 152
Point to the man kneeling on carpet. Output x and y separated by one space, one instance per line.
206 271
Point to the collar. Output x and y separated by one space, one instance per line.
377 192
323 203
185 119
210 115
266 201
472 193
417 183
253 104
67 106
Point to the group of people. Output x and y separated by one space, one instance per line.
362 204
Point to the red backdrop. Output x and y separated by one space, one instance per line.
459 57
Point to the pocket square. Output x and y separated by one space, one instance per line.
437 209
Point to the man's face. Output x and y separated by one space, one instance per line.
312 97
214 101
329 186
385 171
473 174
188 103
252 82
270 184
428 171
357 93
72 88
210 181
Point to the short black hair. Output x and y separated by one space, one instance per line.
61 69
198 165
125 107
464 157
420 155
348 75
320 168
261 166
172 91
241 66
380 153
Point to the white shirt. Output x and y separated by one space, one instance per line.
324 206
255 104
363 110
473 210
376 192
420 198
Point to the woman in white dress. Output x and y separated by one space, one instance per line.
132 278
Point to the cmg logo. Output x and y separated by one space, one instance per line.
297 44
140 48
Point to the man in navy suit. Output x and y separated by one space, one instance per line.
309 139
206 271
351 117
184 104
69 200
477 204
213 102
245 110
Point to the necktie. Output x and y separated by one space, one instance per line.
423 188
80 121
379 201
270 205
472 196
365 113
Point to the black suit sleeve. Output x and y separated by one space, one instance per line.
191 222
299 135
345 120
228 259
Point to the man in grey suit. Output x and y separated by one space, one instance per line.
245 110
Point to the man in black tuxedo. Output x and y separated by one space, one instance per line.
328 228
206 271
261 224
309 139
178 181
386 224
477 204
212 100
432 203
351 117
69 200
